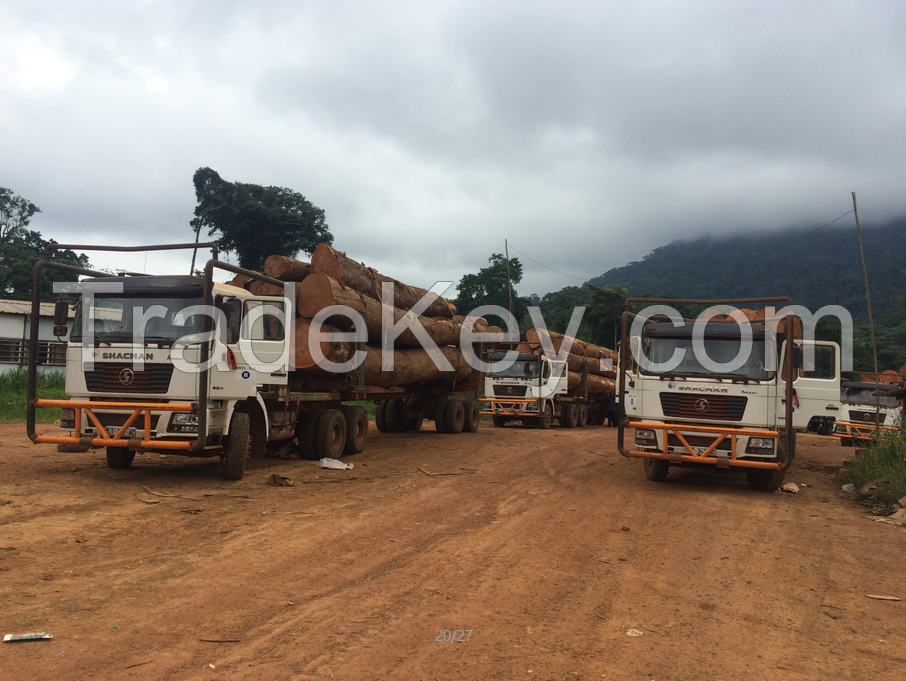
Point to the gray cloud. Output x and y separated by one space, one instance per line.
586 133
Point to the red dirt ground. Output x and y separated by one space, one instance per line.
547 546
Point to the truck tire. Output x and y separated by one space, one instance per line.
498 421
472 417
454 416
356 429
119 458
330 434
582 416
569 416
440 415
393 415
236 447
380 412
656 469
544 420
412 419
764 480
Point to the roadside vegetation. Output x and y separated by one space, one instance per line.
882 463
14 395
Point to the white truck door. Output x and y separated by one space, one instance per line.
817 391
264 340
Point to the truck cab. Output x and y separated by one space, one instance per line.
524 389
682 412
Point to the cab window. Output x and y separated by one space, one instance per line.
266 324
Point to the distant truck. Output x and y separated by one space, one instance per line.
250 398
864 411
691 416
536 390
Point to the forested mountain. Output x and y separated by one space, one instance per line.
822 268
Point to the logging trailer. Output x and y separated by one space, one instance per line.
139 393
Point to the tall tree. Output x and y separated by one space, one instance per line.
21 248
490 287
254 221
15 213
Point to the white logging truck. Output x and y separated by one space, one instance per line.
229 388
745 418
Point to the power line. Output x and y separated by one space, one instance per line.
551 268
817 229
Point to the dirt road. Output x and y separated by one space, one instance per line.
547 547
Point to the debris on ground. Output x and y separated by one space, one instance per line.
334 464
791 487
882 598
634 632
277 480
866 490
848 487
35 636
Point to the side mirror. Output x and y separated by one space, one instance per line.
60 313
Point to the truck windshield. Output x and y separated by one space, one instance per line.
519 369
867 396
115 319
719 350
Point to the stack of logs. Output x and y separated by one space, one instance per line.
334 279
581 354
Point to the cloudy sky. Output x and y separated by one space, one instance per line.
585 133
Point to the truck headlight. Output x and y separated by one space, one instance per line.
761 444
185 419
645 437
67 418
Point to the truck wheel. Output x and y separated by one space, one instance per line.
237 446
544 420
582 416
569 416
454 416
764 480
498 421
379 416
393 415
656 469
119 457
440 415
356 430
330 434
472 417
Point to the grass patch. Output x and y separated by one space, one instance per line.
884 460
14 395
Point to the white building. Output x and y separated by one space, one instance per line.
15 327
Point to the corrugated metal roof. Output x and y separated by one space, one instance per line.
24 307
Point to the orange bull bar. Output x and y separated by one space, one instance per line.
720 432
104 439
861 431
511 406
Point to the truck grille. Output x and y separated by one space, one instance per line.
107 377
865 416
708 407
509 390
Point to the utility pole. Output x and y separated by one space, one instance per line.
871 324
509 281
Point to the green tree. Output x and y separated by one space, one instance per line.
15 213
254 221
490 286
21 248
